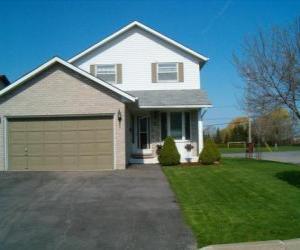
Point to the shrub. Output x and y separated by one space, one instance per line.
210 153
169 155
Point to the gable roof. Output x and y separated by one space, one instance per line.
202 58
71 67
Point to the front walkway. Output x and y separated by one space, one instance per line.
126 209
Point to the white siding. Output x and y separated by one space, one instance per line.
136 50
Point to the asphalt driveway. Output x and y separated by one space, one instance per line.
129 209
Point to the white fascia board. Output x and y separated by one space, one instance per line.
72 67
175 106
144 27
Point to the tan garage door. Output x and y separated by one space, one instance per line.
84 143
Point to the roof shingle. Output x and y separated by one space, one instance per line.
161 98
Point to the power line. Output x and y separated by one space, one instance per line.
217 124
225 106
220 118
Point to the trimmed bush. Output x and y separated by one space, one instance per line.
169 155
210 153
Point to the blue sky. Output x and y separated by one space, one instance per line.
34 31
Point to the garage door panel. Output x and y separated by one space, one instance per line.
69 149
69 136
69 162
86 136
87 125
52 149
18 163
17 137
69 125
52 136
17 126
95 124
52 125
95 135
17 149
104 124
52 162
87 149
35 162
87 162
35 137
61 143
103 135
104 159
35 126
104 148
35 149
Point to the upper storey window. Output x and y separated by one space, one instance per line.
107 72
167 72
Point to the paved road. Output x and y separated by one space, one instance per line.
290 157
130 209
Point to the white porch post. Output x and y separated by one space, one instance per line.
200 131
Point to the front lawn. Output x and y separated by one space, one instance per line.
239 200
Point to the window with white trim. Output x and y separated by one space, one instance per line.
107 72
167 72
176 125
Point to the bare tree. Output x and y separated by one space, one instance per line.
269 63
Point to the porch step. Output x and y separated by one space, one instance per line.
142 156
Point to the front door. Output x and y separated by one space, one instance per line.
143 132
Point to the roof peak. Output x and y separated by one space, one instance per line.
129 26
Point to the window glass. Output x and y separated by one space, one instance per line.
163 125
187 123
106 72
176 125
167 72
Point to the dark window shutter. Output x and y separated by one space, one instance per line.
93 69
119 73
180 72
154 72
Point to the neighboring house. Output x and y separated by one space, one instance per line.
61 116
4 82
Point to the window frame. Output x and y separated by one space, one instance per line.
115 72
157 72
183 127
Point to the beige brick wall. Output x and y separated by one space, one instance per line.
60 91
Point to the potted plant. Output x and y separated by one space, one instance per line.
189 148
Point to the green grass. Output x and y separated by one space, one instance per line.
239 200
263 149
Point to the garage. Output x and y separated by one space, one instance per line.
60 143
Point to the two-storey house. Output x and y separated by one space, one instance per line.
108 106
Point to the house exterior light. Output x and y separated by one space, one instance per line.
119 116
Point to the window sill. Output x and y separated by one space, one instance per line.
183 140
175 81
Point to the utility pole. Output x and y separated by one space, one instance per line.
250 145
249 130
